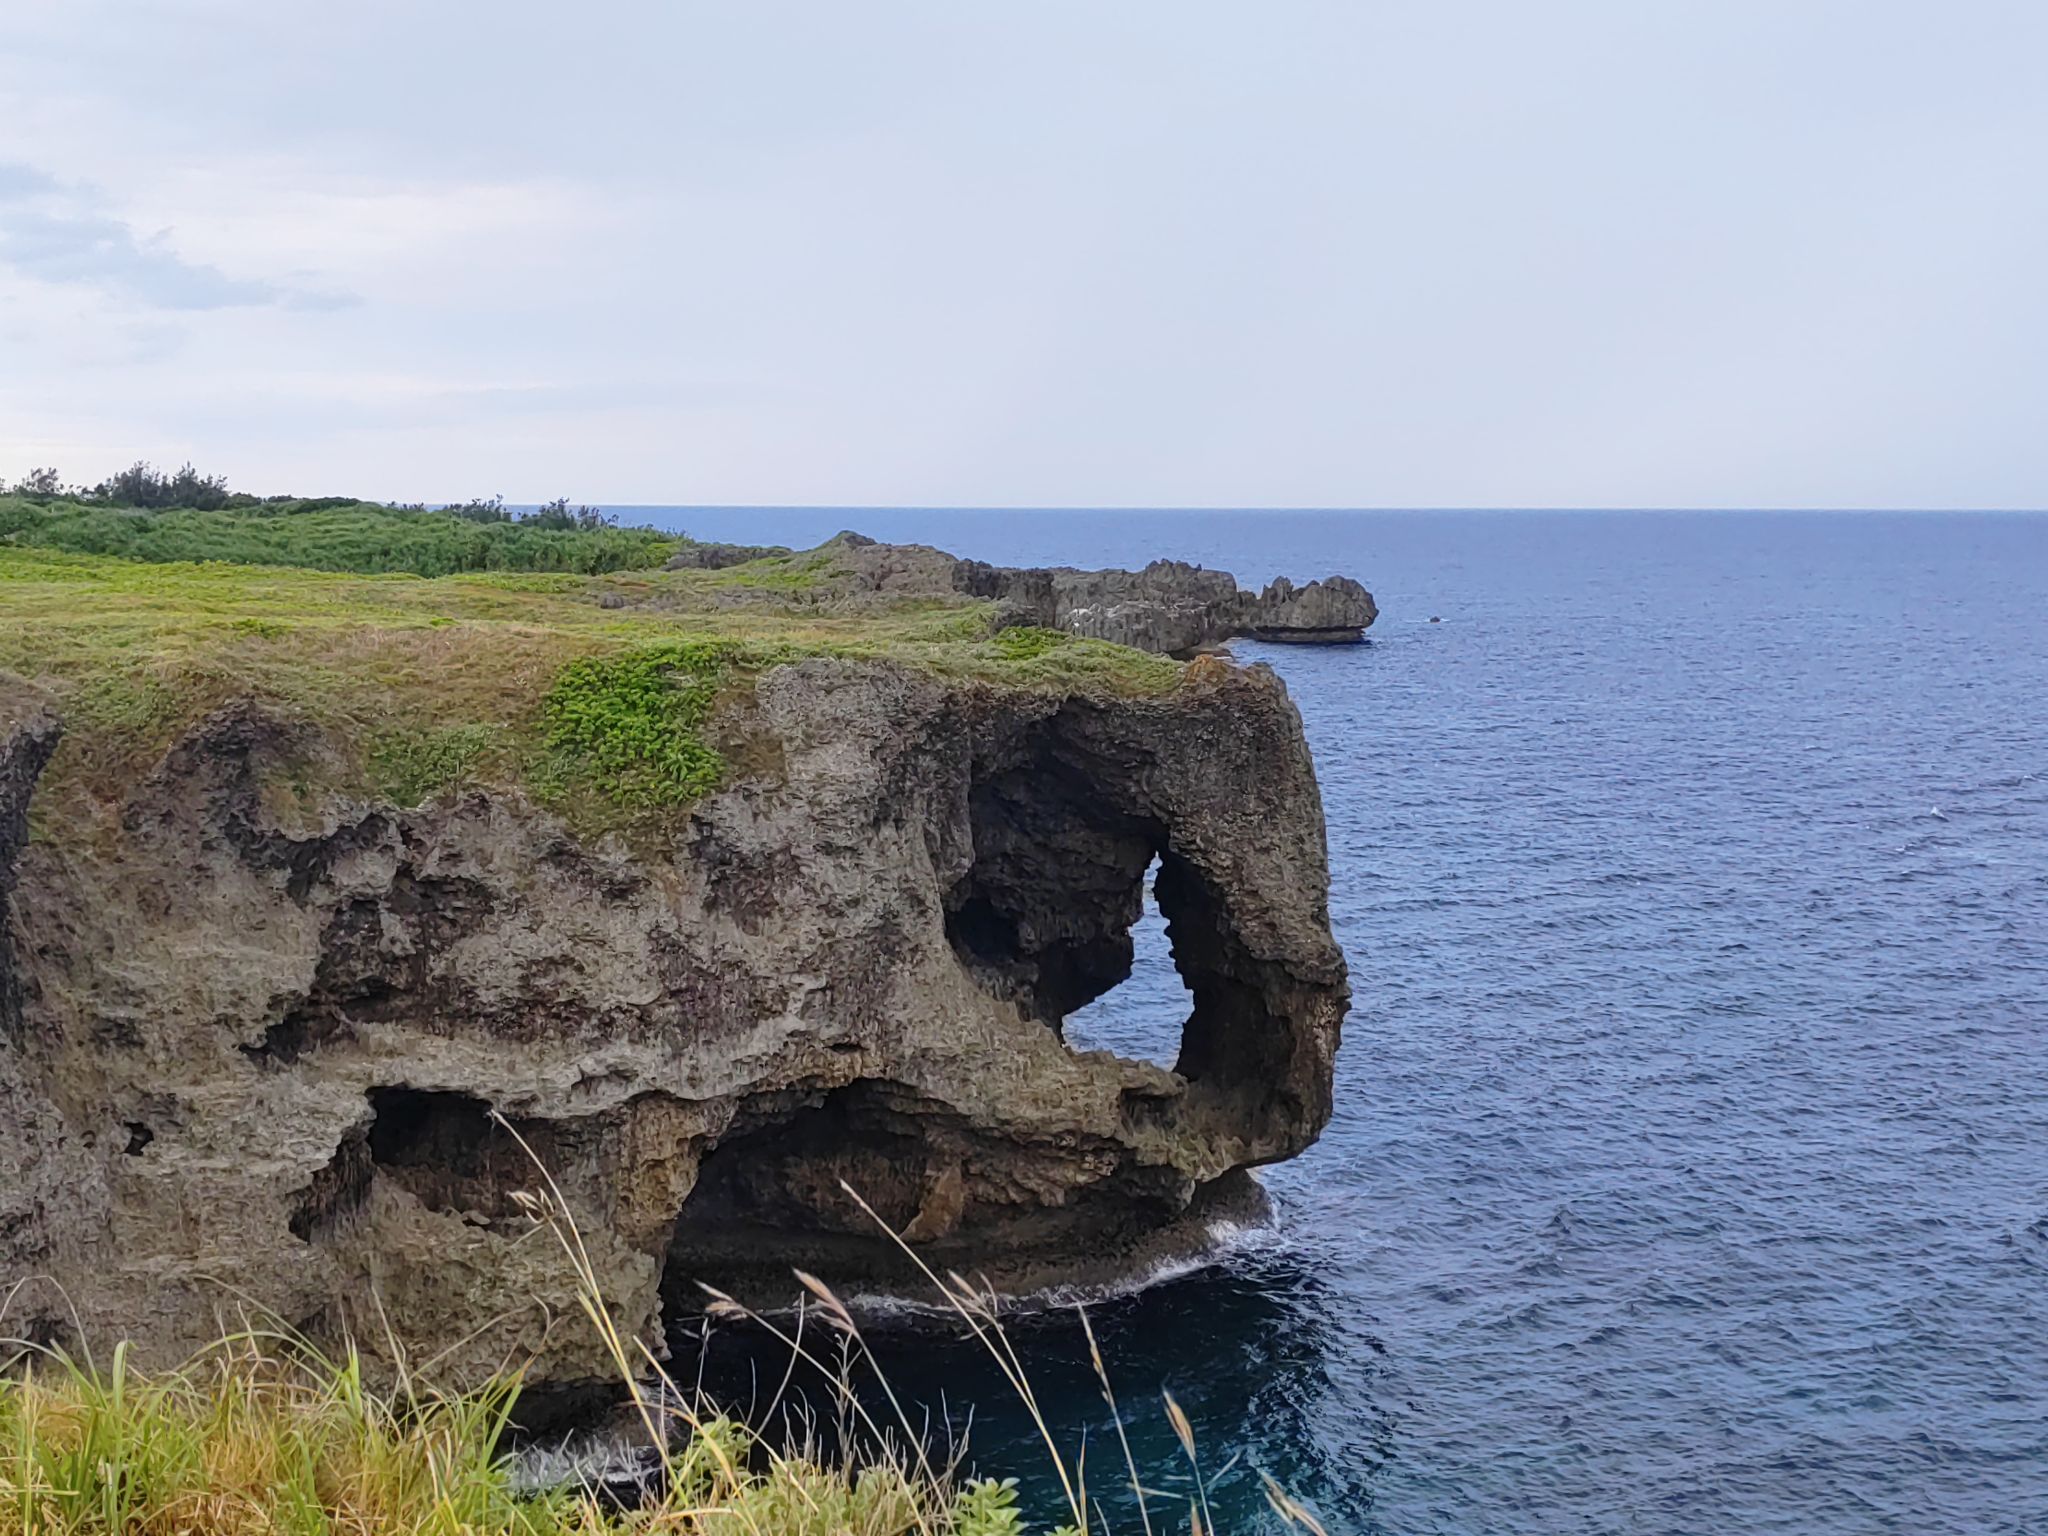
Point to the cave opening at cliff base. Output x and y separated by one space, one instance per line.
772 1196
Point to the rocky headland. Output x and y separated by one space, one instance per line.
315 901
1169 607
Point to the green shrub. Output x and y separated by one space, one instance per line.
326 535
628 723
141 484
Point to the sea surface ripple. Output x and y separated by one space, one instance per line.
1690 1165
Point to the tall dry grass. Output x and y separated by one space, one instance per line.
264 1435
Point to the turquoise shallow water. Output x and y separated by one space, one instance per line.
1690 1167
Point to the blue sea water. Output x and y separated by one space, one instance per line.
1690 1164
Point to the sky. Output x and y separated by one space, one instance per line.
1776 253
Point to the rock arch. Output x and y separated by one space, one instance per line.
1064 819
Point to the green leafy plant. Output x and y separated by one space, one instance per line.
629 722
987 1507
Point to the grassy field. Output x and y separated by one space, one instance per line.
585 691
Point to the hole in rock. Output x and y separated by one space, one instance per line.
1081 890
440 1146
768 1196
139 1137
1070 896
1141 1018
446 1150
982 933
1043 915
420 1127
294 1036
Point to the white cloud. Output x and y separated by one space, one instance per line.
1189 253
52 233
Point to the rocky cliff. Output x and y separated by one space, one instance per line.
253 1036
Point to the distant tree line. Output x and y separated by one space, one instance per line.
140 485
553 514
145 514
144 487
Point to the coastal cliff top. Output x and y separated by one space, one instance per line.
593 690
550 680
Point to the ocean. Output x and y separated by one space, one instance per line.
1689 1170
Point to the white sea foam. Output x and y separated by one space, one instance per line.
1221 1239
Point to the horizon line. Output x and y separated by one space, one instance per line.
915 506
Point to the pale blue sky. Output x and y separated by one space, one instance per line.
1791 253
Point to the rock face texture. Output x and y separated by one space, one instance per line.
251 1053
33 1179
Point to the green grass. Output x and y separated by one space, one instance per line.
363 537
261 1436
410 767
1027 642
422 686
801 571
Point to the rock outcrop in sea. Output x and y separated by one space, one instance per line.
266 1055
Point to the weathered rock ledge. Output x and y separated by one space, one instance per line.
1169 607
1174 607
249 1054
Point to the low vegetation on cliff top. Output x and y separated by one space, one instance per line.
589 691
143 513
335 535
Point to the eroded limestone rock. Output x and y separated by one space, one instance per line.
1169 607
253 1052
1173 607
